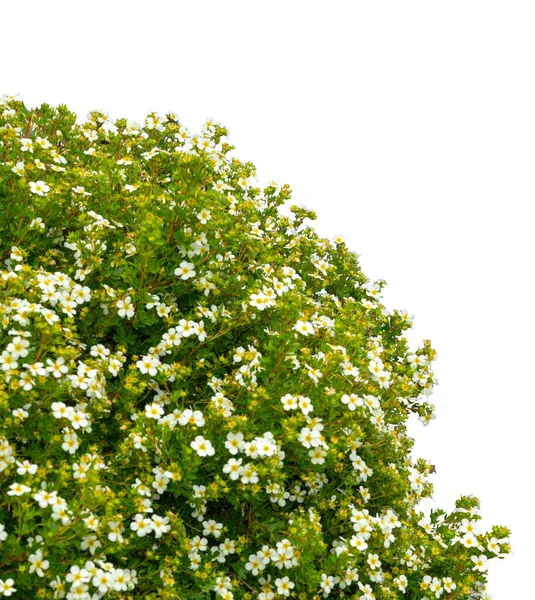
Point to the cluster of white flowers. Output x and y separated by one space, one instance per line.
282 556
246 374
148 404
143 525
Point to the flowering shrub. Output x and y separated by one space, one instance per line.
199 397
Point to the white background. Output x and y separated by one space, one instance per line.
408 126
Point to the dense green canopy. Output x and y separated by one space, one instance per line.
199 397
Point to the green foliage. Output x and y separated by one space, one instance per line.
199 397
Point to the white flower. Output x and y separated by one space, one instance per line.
60 409
16 254
43 142
199 491
26 467
436 587
20 413
154 410
26 145
70 443
163 311
61 513
160 525
91 543
77 576
317 455
259 301
116 531
6 587
304 327
384 379
309 437
80 189
78 419
284 586
200 544
126 308
186 270
81 294
233 468
50 316
255 564
368 592
202 446
185 328
305 405
122 578
204 216
265 446
39 187
38 565
352 401
18 348
401 582
373 561
8 362
17 489
248 474
45 498
327 583
108 127
417 361
148 364
469 541
151 153
480 563
80 470
141 525
193 417
468 526
155 121
211 527
227 547
102 580
358 542
493 545
141 488
289 402
314 374
37 369
130 249
250 449
57 367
